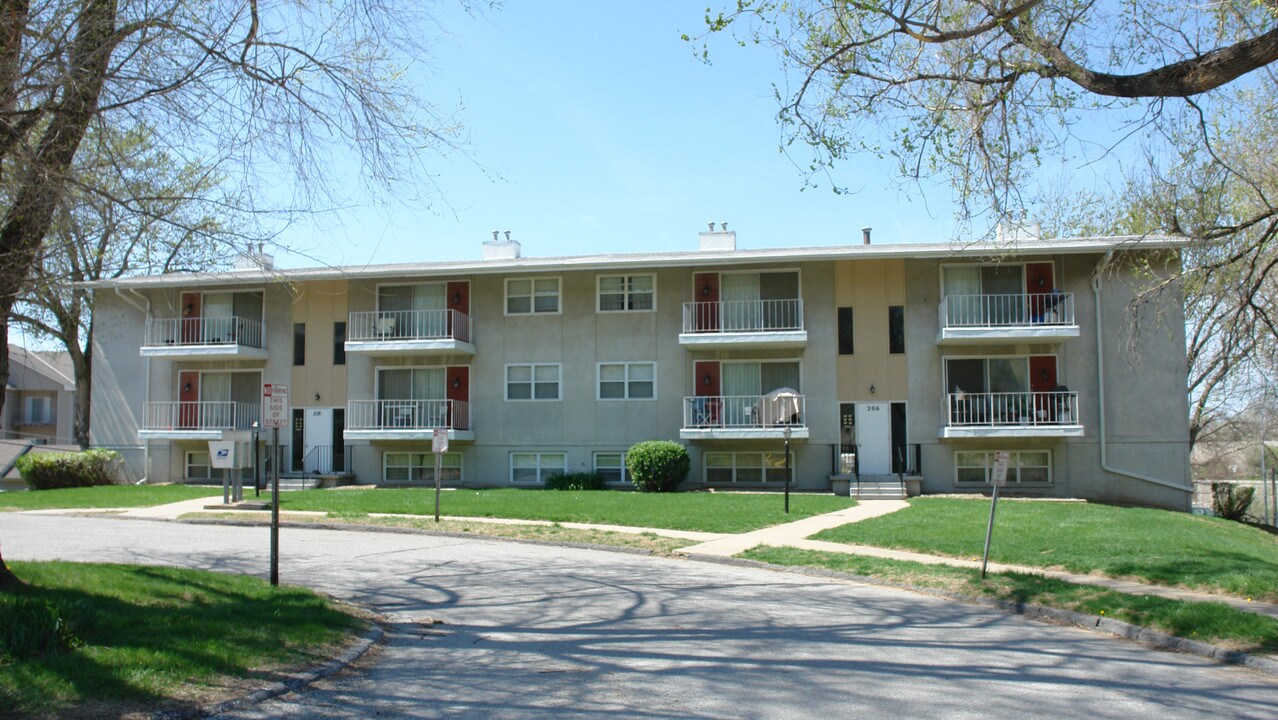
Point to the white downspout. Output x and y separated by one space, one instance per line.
146 389
1100 382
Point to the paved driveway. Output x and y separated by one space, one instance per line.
533 632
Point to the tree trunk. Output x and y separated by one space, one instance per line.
8 581
82 361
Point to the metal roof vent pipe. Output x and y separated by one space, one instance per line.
865 235
497 249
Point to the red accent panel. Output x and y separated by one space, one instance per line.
1038 278
458 375
1042 373
460 290
188 397
705 292
190 311
701 372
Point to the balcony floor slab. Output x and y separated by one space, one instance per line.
1010 431
797 433
384 348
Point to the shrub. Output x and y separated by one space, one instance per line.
32 628
658 465
1230 501
51 471
575 481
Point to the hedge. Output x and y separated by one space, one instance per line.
52 471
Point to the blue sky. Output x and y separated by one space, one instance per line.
594 128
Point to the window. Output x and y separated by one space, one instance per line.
199 466
611 466
532 382
1024 467
627 381
38 411
896 329
760 301
533 295
339 343
299 343
535 467
845 331
626 293
420 467
746 467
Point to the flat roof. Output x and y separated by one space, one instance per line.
694 258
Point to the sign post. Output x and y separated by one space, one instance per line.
275 412
998 480
439 445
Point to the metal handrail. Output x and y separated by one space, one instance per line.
180 332
401 325
407 414
199 415
320 460
1023 409
1031 309
743 411
727 316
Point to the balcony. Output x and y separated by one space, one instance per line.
744 417
407 419
410 332
996 319
1012 415
196 420
743 324
204 338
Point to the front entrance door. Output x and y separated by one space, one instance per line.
874 437
317 441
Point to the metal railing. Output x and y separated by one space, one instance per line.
906 460
1033 310
199 415
178 332
726 316
1023 409
407 414
322 460
400 325
743 411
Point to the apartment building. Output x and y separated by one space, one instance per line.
39 405
914 361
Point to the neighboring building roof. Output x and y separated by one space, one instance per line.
51 364
11 450
983 249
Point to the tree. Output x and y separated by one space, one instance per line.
128 208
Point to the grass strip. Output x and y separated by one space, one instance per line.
105 496
1211 622
548 533
703 511
1154 546
142 637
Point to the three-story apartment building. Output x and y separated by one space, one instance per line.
871 360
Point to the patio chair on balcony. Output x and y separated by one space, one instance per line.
385 327
705 412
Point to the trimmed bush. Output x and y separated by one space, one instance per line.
52 471
658 465
575 481
1230 501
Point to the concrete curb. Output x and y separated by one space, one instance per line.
297 681
1109 626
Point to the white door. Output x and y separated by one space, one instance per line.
874 438
317 440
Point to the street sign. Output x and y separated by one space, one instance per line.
275 406
439 441
1001 459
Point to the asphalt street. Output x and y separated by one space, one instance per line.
533 631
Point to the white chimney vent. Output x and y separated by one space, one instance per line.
1011 231
717 240
255 258
501 249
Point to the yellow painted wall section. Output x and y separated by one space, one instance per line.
869 287
319 305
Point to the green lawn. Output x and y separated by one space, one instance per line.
1206 621
144 636
708 512
107 496
1167 548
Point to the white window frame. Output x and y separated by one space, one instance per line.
625 471
532 297
232 292
379 369
426 468
626 381
763 457
213 473
30 417
1013 468
543 470
532 382
627 294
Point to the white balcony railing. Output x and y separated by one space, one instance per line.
178 332
407 415
1017 409
744 411
199 415
1032 310
401 325
734 316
